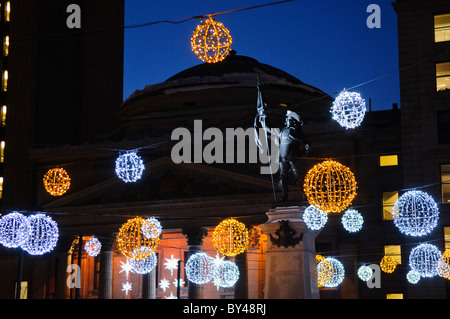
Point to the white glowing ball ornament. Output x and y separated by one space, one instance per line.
352 220
41 232
424 260
349 109
93 246
226 274
415 213
10 236
200 268
129 167
337 273
314 218
365 273
144 266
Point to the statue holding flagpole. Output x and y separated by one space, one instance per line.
292 144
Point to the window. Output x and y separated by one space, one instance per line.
389 160
5 81
442 28
389 199
445 183
1 187
394 251
2 151
394 296
6 46
447 238
443 76
8 11
3 115
23 289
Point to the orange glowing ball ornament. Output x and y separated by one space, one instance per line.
330 186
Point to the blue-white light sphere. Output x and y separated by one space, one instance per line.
415 213
93 246
10 235
337 273
200 268
349 109
145 265
226 274
314 218
149 231
352 220
413 277
365 273
424 259
129 167
41 232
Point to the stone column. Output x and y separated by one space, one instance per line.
106 268
62 289
291 255
241 287
195 237
149 285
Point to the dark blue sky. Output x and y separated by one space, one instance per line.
324 43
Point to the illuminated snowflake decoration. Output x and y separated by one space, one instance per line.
41 232
365 273
352 221
143 266
164 284
93 246
127 287
126 267
200 268
129 167
337 273
413 277
349 109
226 274
415 213
424 259
10 235
171 296
181 282
171 264
314 218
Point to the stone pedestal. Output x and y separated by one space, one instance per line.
291 255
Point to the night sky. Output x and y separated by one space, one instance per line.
325 43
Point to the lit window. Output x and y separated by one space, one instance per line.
447 238
8 11
1 187
443 76
23 289
5 81
3 115
389 160
394 251
394 296
389 199
2 151
445 183
442 28
6 46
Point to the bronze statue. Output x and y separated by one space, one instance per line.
293 144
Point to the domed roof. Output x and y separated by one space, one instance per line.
235 70
234 64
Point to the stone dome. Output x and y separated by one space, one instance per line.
225 89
